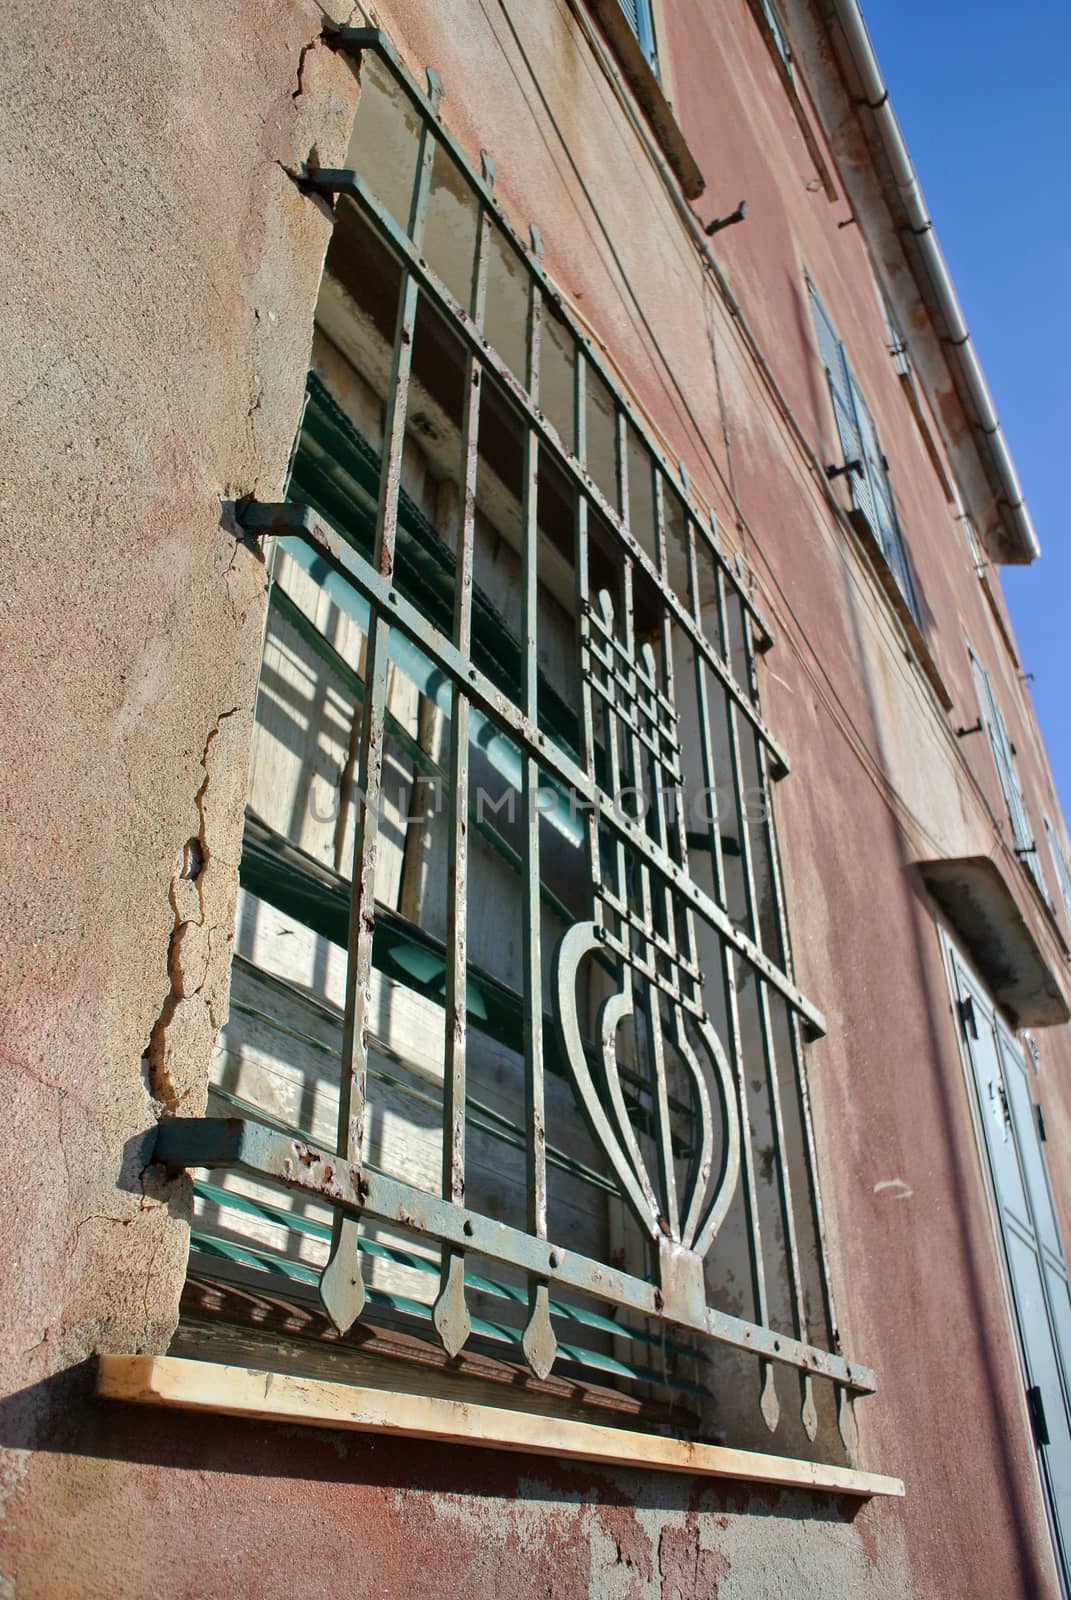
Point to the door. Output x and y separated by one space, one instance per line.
1012 1135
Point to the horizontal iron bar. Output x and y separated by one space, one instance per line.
355 40
184 1142
301 521
341 180
258 1260
227 1200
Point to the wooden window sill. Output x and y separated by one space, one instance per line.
920 649
280 1397
799 110
649 94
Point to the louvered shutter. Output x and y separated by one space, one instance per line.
1059 861
638 16
1007 772
882 518
629 7
832 353
871 494
1028 1230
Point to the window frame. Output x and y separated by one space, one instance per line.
1024 838
616 43
731 666
778 33
1015 1174
1060 865
870 488
643 28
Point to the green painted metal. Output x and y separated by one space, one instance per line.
239 1145
578 789
660 612
295 1222
297 1272
276 871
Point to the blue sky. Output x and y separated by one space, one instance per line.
983 95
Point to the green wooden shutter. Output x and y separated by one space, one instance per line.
871 493
1059 861
638 16
882 515
1022 832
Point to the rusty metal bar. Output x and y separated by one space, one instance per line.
450 1315
355 41
302 522
341 181
341 1287
183 1143
540 1344
768 1401
581 574
798 1063
688 962
783 1176
667 1170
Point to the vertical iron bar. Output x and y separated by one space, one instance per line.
654 1004
669 671
450 1313
584 628
539 1343
341 1289
768 1393
784 954
747 860
680 817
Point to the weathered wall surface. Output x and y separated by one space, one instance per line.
158 270
159 274
190 1511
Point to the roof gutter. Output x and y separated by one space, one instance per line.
1020 543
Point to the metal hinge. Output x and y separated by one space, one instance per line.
1042 1135
1005 1110
967 1019
1036 1407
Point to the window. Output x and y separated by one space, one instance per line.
974 546
514 1066
897 342
901 355
1004 755
1059 861
777 32
867 470
1011 1134
639 18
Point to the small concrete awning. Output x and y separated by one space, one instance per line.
972 893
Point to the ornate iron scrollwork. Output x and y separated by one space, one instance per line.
682 1226
641 735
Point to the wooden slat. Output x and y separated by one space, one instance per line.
278 1397
236 1324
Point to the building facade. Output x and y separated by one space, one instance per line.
536 911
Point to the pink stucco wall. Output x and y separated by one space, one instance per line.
159 275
